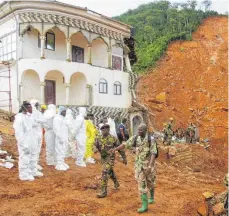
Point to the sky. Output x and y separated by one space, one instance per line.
112 8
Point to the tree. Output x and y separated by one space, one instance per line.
207 4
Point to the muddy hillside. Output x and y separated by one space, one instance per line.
190 83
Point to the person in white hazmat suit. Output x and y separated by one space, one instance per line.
23 126
80 138
61 132
71 148
50 135
37 129
111 122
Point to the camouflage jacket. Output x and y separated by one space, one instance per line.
144 150
104 145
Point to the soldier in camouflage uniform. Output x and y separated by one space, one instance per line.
104 143
145 173
190 133
168 134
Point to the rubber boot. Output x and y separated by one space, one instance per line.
151 198
144 207
103 192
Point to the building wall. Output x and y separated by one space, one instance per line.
30 45
7 27
31 49
99 53
31 86
93 75
4 86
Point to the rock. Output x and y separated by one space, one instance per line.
202 211
208 195
224 109
155 101
172 151
191 109
218 209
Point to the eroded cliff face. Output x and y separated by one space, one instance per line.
190 83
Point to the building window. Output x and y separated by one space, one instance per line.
116 62
8 47
103 86
49 42
77 54
117 88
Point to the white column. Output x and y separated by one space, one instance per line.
88 95
67 86
68 45
127 62
21 92
20 54
89 54
42 38
42 90
109 58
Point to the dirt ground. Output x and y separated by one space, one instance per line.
179 189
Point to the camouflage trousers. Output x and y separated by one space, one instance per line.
146 182
107 173
168 139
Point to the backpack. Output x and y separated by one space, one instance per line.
149 141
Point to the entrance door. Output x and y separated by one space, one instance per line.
50 92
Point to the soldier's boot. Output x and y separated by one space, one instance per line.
103 192
151 198
144 207
116 185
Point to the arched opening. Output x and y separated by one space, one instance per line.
55 45
103 86
78 89
30 43
136 122
31 85
99 54
79 48
117 88
55 88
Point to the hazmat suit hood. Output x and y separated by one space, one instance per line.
33 103
82 111
61 109
50 112
69 115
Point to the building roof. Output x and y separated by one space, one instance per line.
9 6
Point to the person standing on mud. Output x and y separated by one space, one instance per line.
168 134
145 173
104 143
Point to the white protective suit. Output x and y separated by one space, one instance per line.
49 135
71 148
39 122
80 137
27 164
111 122
61 132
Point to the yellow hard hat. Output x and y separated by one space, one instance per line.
43 106
165 124
171 119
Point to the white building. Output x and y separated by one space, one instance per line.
64 55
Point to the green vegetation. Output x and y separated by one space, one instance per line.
157 23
